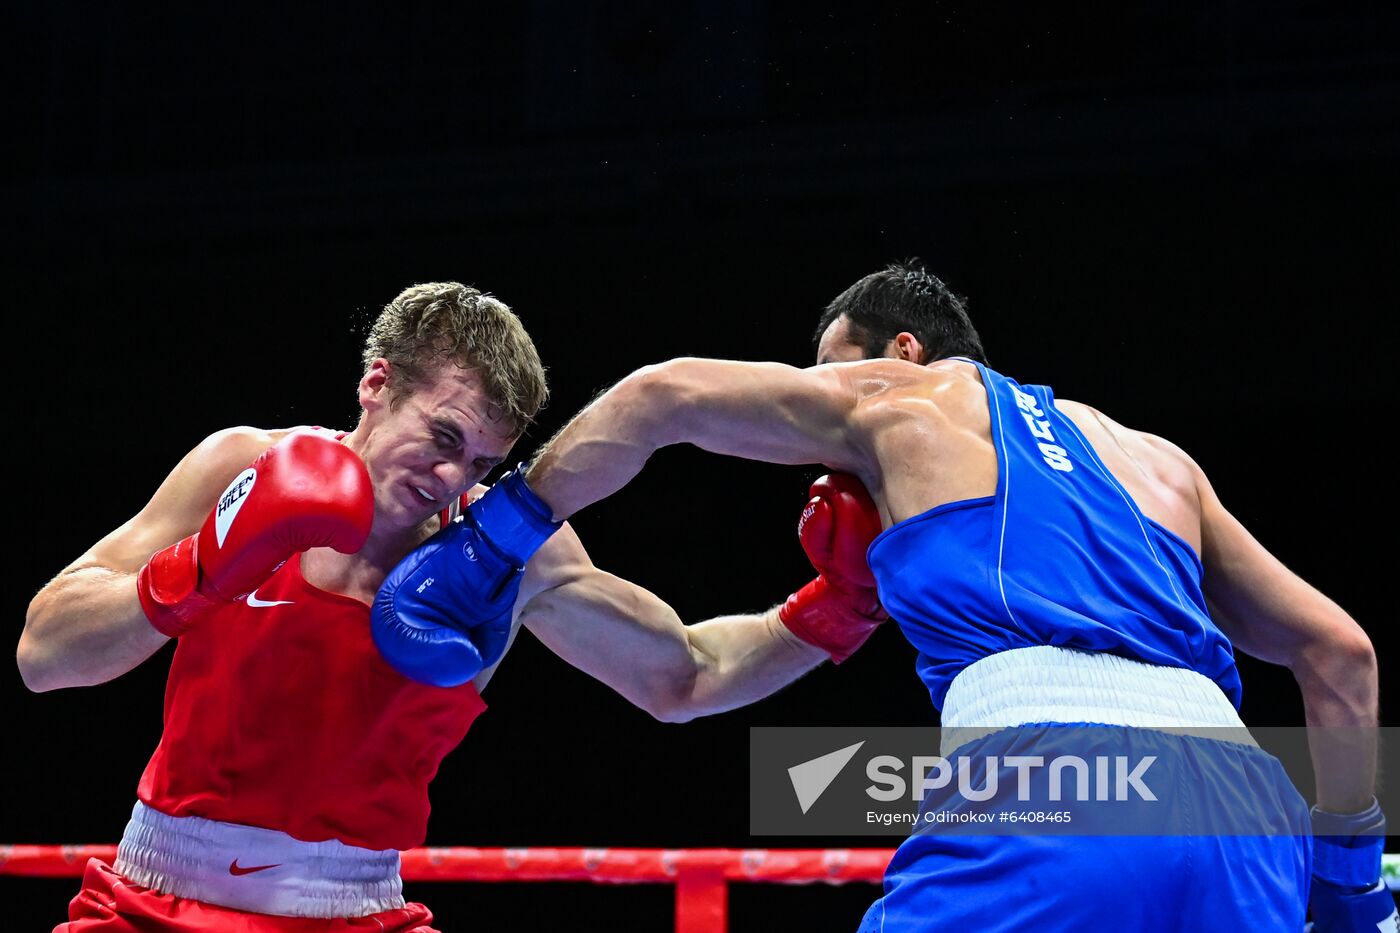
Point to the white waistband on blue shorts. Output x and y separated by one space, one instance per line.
1046 684
254 869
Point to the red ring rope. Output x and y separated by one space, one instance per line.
616 866
700 875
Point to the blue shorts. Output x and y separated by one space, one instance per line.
1226 846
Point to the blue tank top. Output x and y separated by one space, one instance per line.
1060 555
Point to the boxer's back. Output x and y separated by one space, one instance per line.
1018 521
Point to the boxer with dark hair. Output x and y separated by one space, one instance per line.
903 297
1053 568
302 728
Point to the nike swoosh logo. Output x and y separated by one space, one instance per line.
235 869
263 603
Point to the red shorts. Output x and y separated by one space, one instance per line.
109 904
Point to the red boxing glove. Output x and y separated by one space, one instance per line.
305 491
838 610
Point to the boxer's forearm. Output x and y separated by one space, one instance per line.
628 638
1270 612
86 627
742 659
1340 690
614 631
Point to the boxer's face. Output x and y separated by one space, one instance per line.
441 438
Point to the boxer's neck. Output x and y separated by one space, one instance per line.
359 575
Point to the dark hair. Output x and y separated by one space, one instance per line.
905 297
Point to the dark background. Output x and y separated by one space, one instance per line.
1182 214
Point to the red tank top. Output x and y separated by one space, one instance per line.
280 713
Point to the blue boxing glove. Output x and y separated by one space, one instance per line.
1348 894
444 613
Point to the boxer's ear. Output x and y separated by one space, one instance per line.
907 347
375 385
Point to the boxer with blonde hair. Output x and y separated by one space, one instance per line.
301 729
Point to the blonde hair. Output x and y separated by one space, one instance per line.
447 322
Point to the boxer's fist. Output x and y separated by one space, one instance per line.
839 609
444 613
1348 895
308 490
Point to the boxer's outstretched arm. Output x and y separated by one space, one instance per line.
760 411
635 643
1271 613
86 626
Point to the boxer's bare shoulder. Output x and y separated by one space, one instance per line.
1158 474
930 430
897 392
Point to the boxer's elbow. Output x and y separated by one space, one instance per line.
44 670
44 657
28 671
671 698
666 711
1340 671
39 679
1343 650
657 399
37 667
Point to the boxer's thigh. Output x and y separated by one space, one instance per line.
411 918
98 904
1042 883
1258 877
1247 883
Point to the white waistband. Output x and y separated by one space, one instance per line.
1046 684
253 869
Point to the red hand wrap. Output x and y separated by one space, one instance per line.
168 587
305 491
838 610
